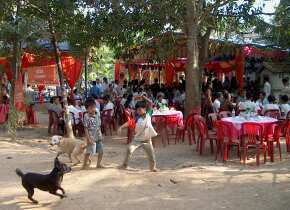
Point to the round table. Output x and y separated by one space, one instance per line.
167 114
268 124
165 119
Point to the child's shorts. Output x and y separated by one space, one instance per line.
92 149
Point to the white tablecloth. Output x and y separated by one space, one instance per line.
267 123
168 113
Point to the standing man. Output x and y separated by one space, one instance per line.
267 86
95 91
99 85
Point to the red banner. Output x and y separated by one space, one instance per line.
19 95
42 75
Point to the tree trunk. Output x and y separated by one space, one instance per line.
193 96
12 116
67 117
204 47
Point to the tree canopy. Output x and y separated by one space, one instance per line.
277 32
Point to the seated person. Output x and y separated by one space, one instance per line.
108 105
271 104
56 105
262 101
248 104
161 102
217 103
284 106
227 105
76 109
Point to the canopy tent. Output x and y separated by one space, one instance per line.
221 64
71 66
171 67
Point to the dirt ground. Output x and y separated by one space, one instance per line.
185 180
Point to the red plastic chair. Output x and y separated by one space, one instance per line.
287 137
224 114
225 129
187 127
131 125
212 118
171 123
274 113
118 112
275 138
108 121
253 138
196 110
204 135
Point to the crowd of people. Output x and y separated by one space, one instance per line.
218 96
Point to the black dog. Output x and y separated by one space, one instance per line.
49 182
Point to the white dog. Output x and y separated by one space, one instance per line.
73 147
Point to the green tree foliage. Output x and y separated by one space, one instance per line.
132 23
102 60
17 31
277 32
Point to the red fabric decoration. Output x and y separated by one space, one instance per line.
71 66
117 71
7 67
240 61
19 95
71 69
221 66
131 71
40 87
169 74
252 52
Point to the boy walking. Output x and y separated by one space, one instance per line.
144 131
92 124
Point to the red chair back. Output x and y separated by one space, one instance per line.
287 136
196 110
253 132
107 113
202 128
274 113
213 117
219 130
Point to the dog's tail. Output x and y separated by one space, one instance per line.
19 172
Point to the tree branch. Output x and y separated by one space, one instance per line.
36 7
239 15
